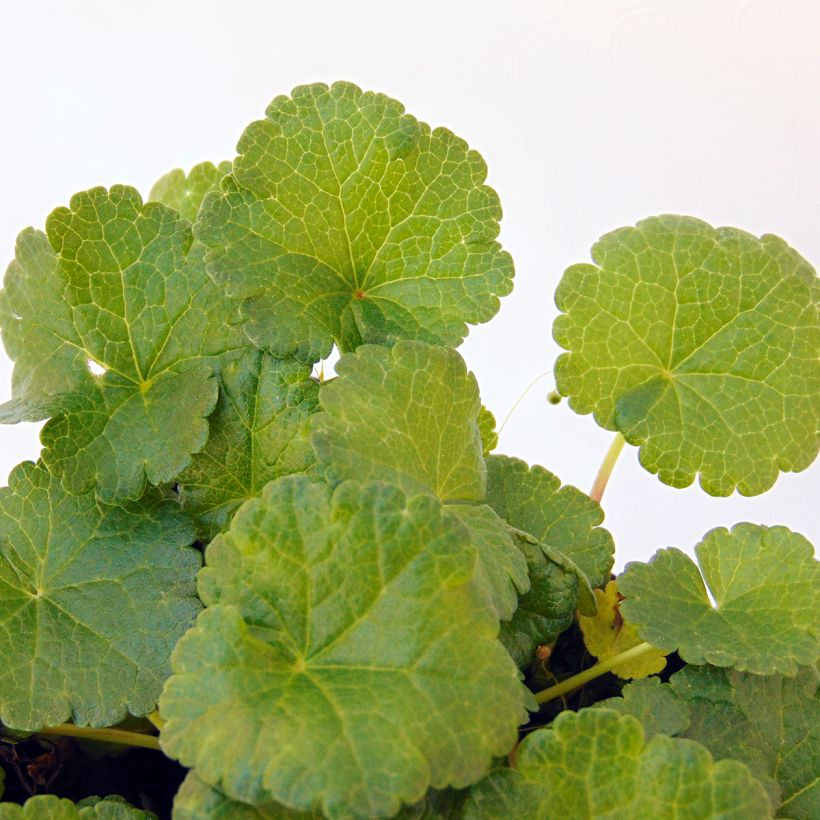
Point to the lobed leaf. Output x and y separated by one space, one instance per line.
657 707
346 220
607 634
771 723
51 807
766 586
700 345
487 431
532 499
92 601
115 330
258 432
343 635
595 764
185 192
409 415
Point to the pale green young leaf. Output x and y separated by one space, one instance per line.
596 764
92 601
698 344
51 807
409 415
115 329
771 723
766 586
185 192
533 499
258 432
486 427
657 707
346 220
343 635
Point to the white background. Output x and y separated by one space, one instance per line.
590 114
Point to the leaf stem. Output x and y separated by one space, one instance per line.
120 736
568 684
607 466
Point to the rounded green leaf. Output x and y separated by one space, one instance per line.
115 328
409 415
51 807
346 220
533 499
342 638
92 601
595 764
698 344
185 192
765 584
258 432
657 707
197 800
771 723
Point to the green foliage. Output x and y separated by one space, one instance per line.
766 586
258 432
700 345
771 722
118 285
383 602
49 807
185 192
346 220
349 661
595 763
92 601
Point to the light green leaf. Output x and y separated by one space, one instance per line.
197 800
771 723
766 587
607 634
92 601
258 432
115 328
699 345
346 220
532 499
595 764
184 193
342 637
51 807
486 427
658 709
409 415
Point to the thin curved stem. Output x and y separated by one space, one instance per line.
521 398
120 736
568 684
607 466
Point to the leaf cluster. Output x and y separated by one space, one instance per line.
331 596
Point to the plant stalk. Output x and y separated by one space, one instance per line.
120 736
568 684
607 466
